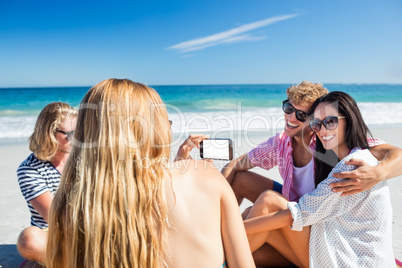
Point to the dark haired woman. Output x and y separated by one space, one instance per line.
333 230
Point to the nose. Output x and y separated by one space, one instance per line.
292 115
323 129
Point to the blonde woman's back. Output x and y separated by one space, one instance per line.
116 194
206 228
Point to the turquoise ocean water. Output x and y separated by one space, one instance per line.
204 108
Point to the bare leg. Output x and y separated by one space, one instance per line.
31 244
290 244
266 255
299 243
250 185
269 201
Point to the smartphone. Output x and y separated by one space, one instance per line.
217 148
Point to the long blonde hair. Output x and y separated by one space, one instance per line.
110 209
43 142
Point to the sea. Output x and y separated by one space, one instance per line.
211 109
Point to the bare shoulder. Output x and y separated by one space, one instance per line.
194 167
200 172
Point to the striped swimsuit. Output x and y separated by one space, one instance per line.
35 178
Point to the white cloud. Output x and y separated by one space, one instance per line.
229 36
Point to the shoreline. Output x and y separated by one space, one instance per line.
16 215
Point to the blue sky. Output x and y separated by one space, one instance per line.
79 43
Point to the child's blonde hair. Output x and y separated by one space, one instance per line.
43 142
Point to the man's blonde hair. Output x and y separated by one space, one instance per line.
306 93
110 209
43 142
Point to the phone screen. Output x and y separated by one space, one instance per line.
217 149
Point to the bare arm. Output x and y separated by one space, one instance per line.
42 204
239 164
271 221
366 176
235 243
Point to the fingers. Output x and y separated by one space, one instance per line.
355 174
350 192
362 178
351 174
346 186
194 140
199 138
344 175
188 145
344 183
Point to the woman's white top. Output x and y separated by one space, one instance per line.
303 178
347 231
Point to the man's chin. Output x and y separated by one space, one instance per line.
291 132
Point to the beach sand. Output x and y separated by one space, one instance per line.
16 215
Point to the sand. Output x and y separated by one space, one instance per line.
15 214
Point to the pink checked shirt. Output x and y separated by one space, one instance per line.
277 151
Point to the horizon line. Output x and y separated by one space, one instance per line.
214 84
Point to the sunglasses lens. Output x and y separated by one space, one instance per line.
315 125
301 116
331 122
288 108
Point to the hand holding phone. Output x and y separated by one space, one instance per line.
217 148
189 144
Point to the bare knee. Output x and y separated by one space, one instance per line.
271 201
31 243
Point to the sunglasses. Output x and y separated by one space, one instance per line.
330 123
69 135
288 109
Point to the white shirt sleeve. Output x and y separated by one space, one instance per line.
322 204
